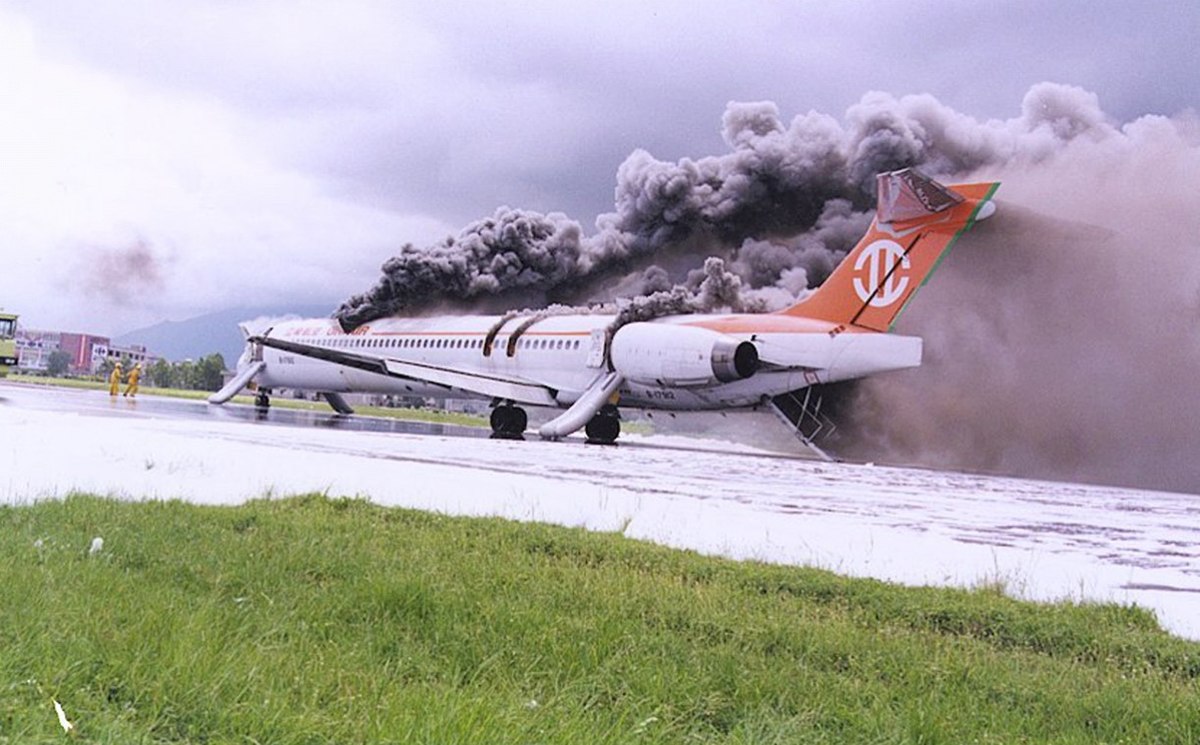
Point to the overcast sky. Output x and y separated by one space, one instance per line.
160 161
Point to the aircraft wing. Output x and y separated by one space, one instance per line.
471 381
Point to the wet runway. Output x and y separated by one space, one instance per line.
1039 539
98 403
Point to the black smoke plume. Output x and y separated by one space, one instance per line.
1062 336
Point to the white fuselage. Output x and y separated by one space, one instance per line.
567 355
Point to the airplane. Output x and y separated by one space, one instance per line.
587 366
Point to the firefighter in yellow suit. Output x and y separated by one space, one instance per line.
114 380
132 389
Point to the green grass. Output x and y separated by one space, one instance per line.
314 620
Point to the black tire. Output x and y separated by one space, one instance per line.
604 428
519 421
508 423
499 420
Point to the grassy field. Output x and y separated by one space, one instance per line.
315 620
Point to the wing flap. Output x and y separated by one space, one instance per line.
482 384
495 386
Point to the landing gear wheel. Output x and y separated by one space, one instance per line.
509 422
604 427
520 420
263 399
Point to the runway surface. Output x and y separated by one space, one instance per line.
1041 540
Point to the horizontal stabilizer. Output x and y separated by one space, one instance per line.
916 221
911 195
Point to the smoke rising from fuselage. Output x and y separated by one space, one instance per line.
1059 350
1062 336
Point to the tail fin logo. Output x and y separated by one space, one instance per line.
878 280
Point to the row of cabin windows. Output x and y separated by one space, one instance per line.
428 343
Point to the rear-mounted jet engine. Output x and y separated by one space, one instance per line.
671 355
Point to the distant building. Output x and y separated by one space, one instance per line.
82 348
87 351
35 347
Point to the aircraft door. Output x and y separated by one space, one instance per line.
595 356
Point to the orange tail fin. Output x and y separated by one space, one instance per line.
916 222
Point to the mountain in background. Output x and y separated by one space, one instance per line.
213 332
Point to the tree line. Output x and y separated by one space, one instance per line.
204 374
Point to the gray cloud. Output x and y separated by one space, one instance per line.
452 111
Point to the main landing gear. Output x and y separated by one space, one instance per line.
604 427
509 422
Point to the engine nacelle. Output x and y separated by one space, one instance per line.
658 353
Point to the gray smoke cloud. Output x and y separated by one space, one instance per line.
784 198
776 181
1061 336
121 275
